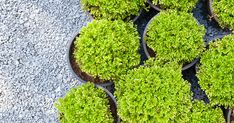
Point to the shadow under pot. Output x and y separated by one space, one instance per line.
76 70
151 53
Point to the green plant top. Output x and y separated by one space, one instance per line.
175 36
85 104
216 72
224 10
153 95
180 5
113 9
107 49
205 113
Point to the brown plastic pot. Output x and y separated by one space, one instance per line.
113 104
156 7
75 68
150 52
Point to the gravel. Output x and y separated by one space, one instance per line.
33 69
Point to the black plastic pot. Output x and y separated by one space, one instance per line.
211 11
134 19
153 6
230 114
113 104
75 69
150 52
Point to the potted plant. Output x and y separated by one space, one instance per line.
88 104
216 72
103 51
174 36
153 94
180 5
118 9
222 12
205 113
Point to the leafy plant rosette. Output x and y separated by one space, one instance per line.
216 72
113 9
107 49
206 113
174 36
223 12
85 104
180 5
153 94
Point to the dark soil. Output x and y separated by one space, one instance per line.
84 76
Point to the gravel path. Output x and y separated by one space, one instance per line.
33 69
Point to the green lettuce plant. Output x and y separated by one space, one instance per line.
113 9
175 36
107 49
152 94
85 104
205 113
180 5
216 73
224 10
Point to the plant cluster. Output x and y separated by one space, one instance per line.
180 5
113 9
107 49
224 10
85 104
216 72
175 36
205 113
153 95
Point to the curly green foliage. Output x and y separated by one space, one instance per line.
153 95
216 72
85 104
157 62
224 10
107 49
175 36
180 5
113 9
205 113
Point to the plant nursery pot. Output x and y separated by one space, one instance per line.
211 11
149 52
135 18
230 115
156 7
112 103
75 68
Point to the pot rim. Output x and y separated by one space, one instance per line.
185 67
153 6
112 97
70 66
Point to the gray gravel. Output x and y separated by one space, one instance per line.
33 68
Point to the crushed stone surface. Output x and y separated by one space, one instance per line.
33 65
